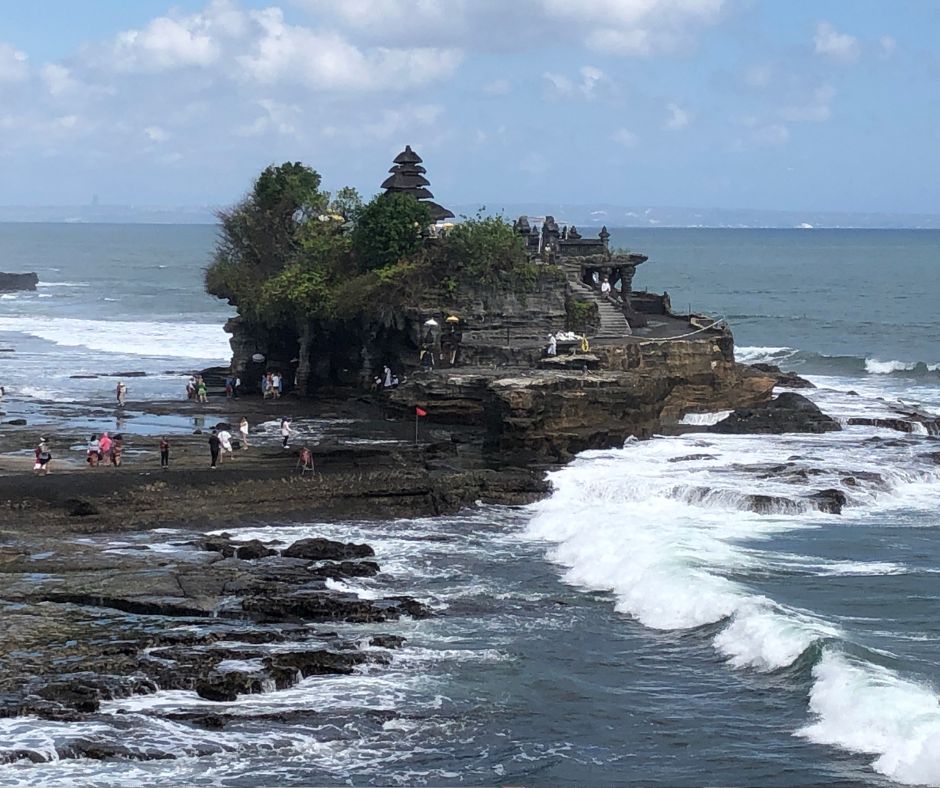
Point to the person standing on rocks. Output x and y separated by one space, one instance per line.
225 439
121 393
243 431
93 453
104 446
285 432
215 446
117 450
202 390
164 453
43 458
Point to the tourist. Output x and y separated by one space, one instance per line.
225 439
93 452
202 390
117 450
164 453
229 386
552 348
243 431
104 446
236 385
214 446
285 432
376 383
305 462
605 287
387 376
191 387
43 458
121 393
277 385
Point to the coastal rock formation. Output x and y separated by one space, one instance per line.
90 626
638 389
789 412
10 282
788 380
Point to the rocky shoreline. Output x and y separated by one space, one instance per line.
123 582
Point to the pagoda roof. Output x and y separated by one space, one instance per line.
407 156
401 180
438 212
407 168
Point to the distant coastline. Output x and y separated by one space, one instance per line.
582 215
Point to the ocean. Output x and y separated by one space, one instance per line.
642 625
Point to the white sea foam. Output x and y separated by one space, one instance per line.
704 419
63 284
869 709
206 341
766 355
875 367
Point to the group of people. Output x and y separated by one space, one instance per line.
197 389
567 337
104 449
272 385
232 384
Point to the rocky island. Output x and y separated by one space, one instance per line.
11 282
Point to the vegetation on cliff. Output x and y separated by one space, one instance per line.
294 258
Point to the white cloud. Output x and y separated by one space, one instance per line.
635 27
498 87
586 85
830 42
323 60
14 64
758 75
625 137
887 46
678 117
815 109
156 134
57 79
165 44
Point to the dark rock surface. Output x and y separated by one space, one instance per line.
327 550
788 412
9 282
82 626
789 380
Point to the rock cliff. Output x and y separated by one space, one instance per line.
9 282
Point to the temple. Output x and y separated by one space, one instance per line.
407 177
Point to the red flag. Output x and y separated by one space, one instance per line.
420 412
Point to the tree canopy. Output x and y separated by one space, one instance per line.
290 253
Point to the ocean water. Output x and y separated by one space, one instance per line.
642 625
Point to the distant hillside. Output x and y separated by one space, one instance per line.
580 214
588 215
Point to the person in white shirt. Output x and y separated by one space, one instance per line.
225 440
552 345
243 431
285 432
605 287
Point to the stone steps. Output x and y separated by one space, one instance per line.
612 322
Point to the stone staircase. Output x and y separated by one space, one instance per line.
613 325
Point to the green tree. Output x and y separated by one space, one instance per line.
347 203
389 229
275 256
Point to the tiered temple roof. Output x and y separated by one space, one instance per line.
407 177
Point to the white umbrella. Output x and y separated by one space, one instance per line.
431 322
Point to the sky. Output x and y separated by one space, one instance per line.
827 105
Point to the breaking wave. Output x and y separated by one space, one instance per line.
822 364
677 558
131 338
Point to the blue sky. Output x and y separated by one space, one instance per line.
774 104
